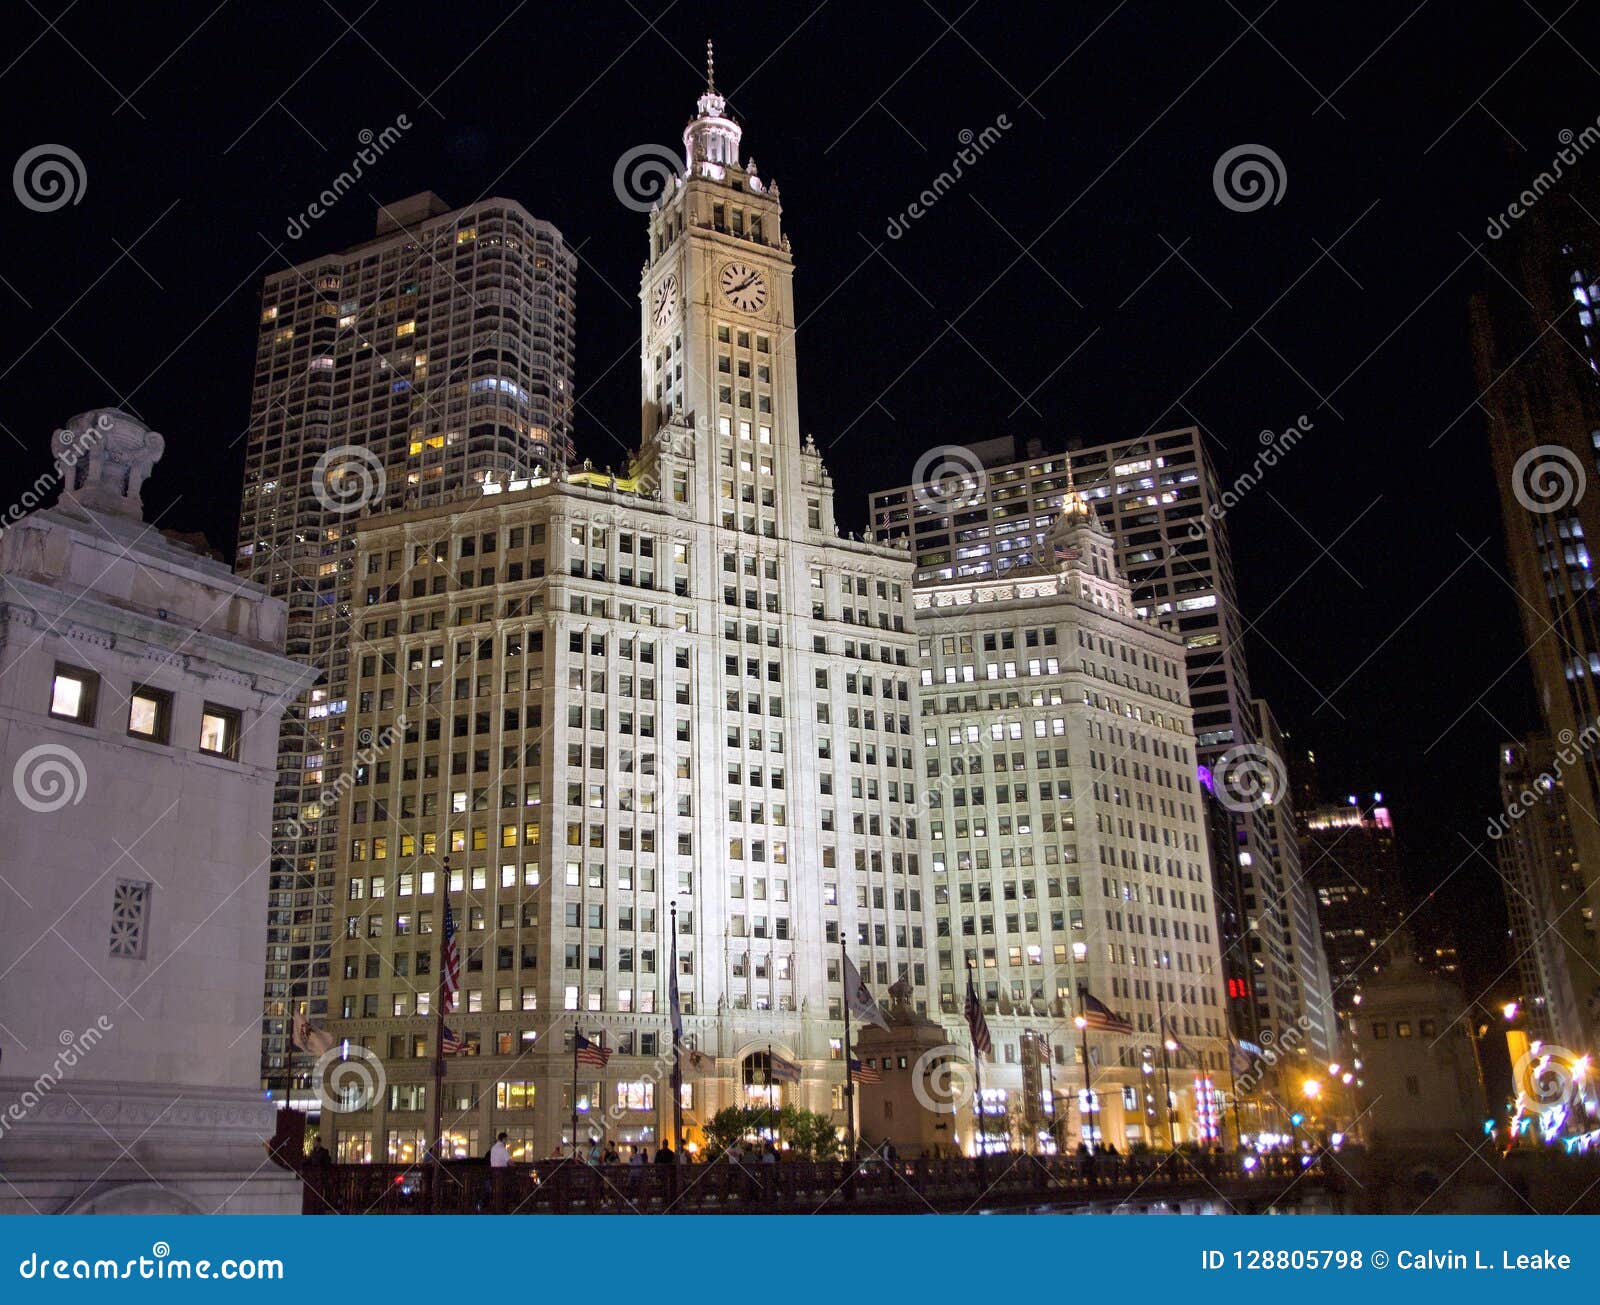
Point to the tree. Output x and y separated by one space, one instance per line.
730 1126
810 1136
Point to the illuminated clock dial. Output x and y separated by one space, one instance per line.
744 287
664 301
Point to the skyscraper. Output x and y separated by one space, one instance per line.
1307 956
1538 861
613 697
1349 859
980 513
1068 843
1536 344
433 358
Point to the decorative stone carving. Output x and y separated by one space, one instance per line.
103 458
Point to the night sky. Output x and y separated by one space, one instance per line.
1081 282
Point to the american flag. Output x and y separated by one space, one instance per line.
863 1073
1100 1017
591 1053
451 1043
449 963
982 1043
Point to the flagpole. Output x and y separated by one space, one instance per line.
1233 1093
769 1087
677 1045
1166 1072
977 1084
1088 1087
436 1141
576 1033
849 1079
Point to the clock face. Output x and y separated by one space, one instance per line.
664 301
744 287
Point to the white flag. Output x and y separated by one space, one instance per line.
859 1000
308 1037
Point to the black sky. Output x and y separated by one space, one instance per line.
1385 634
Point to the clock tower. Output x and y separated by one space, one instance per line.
717 322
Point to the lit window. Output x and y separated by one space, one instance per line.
219 731
72 694
149 714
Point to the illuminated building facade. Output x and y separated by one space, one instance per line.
421 363
1068 844
1160 498
1538 860
681 687
1536 345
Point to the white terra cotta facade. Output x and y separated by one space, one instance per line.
141 686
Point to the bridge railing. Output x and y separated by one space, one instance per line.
571 1186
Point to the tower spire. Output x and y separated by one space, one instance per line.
711 70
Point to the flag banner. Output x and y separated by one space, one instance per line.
863 1073
1182 1048
308 1037
1238 1061
977 1026
451 1043
1100 1017
591 1053
699 1061
675 1002
859 998
784 1071
449 962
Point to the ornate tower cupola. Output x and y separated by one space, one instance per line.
711 140
1083 553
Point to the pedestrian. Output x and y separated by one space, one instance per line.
499 1173
664 1155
